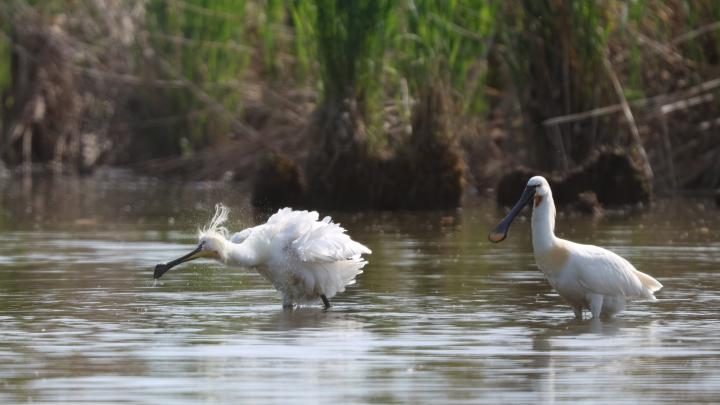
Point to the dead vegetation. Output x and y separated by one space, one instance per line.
60 110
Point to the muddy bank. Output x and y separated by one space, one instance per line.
346 169
610 178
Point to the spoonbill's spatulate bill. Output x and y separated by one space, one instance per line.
305 258
587 276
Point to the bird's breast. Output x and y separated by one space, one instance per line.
553 260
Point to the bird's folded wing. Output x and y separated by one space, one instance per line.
326 242
603 272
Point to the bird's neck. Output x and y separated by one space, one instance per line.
241 254
543 223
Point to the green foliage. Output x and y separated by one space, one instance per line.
699 14
446 41
551 41
351 39
198 45
555 51
195 53
271 30
676 37
5 52
303 20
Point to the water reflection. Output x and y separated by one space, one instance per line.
438 316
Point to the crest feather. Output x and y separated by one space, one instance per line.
216 222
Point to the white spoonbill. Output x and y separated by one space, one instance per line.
587 276
304 258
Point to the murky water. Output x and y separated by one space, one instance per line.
439 316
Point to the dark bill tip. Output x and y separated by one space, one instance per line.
160 269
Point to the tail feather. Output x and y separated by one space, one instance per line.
649 283
325 278
334 277
327 242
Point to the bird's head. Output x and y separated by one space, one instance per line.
212 243
536 190
540 185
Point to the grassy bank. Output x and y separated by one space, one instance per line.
493 83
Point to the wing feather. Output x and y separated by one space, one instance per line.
604 272
326 241
239 237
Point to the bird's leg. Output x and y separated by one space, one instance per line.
578 313
325 301
287 303
613 306
596 303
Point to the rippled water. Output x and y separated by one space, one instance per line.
439 316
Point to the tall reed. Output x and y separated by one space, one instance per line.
447 42
198 45
554 51
351 40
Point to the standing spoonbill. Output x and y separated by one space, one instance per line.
304 258
587 276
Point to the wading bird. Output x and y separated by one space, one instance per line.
587 276
304 258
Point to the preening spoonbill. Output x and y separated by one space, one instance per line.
306 259
587 276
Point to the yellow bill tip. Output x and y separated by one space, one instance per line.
496 237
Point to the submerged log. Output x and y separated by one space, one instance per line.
610 174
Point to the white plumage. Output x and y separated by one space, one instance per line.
305 258
587 276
